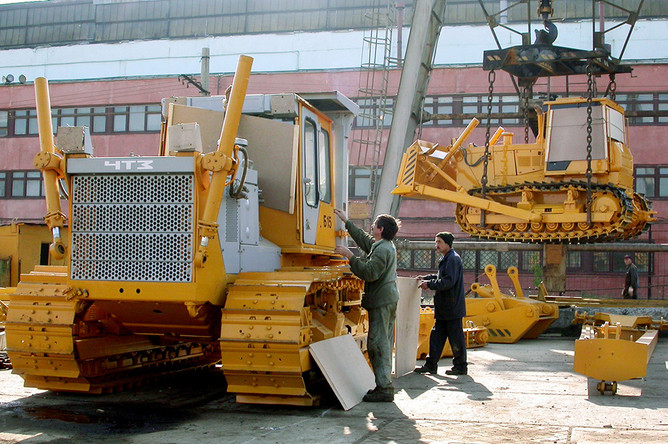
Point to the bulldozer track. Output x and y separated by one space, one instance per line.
625 224
45 348
268 323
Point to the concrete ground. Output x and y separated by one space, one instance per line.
519 393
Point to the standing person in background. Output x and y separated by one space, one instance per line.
378 268
630 290
449 309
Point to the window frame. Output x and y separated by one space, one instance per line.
23 122
12 180
656 177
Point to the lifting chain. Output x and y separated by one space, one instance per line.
612 87
483 180
525 104
590 93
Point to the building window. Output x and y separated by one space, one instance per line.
508 259
472 260
663 106
643 104
574 260
93 118
652 181
478 106
25 122
464 107
489 258
530 260
601 262
618 265
373 114
136 118
18 184
439 105
4 123
642 261
359 182
423 260
3 184
403 259
468 259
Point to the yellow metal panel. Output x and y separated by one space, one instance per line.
239 358
266 298
251 325
51 365
39 339
326 233
58 384
610 359
259 383
304 401
156 291
24 309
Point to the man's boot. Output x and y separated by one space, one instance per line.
427 368
380 395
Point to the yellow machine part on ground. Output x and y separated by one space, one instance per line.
614 348
475 336
508 318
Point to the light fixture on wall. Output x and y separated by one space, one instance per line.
9 79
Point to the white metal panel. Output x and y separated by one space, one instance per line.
292 51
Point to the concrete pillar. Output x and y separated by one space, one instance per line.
554 268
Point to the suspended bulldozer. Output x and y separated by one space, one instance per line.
559 189
508 318
614 348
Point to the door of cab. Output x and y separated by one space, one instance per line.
316 176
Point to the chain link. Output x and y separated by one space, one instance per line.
483 180
590 94
525 100
612 87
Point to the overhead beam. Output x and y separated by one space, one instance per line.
636 247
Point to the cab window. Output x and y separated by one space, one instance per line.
310 164
324 177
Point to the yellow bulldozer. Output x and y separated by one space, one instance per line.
573 184
219 248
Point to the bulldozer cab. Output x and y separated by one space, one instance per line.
567 130
296 144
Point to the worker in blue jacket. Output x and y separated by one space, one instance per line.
449 308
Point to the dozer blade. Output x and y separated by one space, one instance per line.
612 359
614 347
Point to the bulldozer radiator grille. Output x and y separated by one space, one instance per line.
133 227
